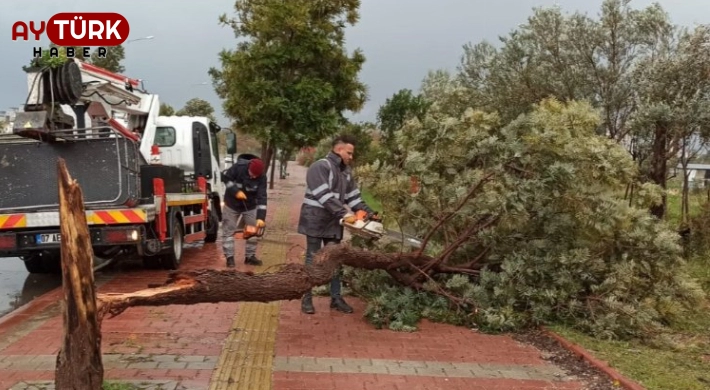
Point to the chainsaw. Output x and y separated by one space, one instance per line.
368 227
248 231
365 226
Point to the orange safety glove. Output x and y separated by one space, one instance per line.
260 223
241 195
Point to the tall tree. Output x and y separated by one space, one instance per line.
673 90
197 107
166 109
391 116
576 57
290 79
112 61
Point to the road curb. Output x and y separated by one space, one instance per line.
603 366
29 309
37 305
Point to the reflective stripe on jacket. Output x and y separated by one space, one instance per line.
330 187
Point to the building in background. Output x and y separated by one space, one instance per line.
7 119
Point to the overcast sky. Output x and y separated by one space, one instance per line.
401 39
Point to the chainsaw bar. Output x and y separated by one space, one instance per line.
407 239
361 230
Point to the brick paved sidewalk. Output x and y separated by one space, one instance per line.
268 346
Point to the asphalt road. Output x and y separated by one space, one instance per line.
18 287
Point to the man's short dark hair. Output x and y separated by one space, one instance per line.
344 139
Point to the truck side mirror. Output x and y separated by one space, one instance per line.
231 139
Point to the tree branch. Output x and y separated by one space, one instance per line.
458 207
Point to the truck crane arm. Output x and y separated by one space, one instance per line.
86 89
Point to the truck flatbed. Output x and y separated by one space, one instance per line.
113 216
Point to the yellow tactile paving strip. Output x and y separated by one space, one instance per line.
246 361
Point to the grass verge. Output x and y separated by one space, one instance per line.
679 360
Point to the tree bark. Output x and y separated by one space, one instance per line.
264 151
79 365
273 166
659 167
684 201
291 281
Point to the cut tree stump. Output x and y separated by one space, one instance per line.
79 365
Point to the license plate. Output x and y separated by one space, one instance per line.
50 238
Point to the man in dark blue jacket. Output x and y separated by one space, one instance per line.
244 197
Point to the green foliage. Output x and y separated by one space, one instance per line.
548 221
112 61
362 132
51 62
290 79
400 309
648 77
555 107
306 156
197 107
402 106
322 149
570 57
166 110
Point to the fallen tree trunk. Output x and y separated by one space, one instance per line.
411 269
79 363
291 281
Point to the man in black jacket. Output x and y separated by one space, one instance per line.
246 197
330 187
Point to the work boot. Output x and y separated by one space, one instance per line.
230 261
307 304
340 305
252 260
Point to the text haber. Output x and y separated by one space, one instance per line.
77 29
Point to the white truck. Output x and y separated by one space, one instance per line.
150 183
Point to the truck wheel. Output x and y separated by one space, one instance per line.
212 227
172 260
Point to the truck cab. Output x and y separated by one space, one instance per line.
189 143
